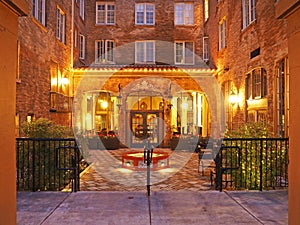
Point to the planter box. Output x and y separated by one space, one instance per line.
103 143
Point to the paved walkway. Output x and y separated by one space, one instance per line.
135 208
102 175
183 198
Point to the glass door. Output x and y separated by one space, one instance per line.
144 128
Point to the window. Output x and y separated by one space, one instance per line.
205 49
184 13
249 12
144 14
206 10
105 13
104 51
282 98
256 84
184 52
145 52
81 9
75 38
222 34
38 11
81 46
61 25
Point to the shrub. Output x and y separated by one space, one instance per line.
45 128
250 130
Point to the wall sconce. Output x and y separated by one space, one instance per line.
119 97
233 98
64 81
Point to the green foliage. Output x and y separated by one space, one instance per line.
45 128
250 130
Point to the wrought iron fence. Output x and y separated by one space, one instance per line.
252 163
47 164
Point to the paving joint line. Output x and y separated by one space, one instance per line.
59 204
245 208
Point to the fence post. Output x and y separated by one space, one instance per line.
33 165
261 166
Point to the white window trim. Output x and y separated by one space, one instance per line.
61 25
145 53
222 34
184 14
81 9
205 49
81 46
145 14
105 12
183 53
105 52
35 13
249 12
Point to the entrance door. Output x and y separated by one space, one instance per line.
144 127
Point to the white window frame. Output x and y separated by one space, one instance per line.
61 25
184 51
222 34
142 53
205 49
81 9
145 10
103 53
184 14
81 46
249 12
106 13
39 11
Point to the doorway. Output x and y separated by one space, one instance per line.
144 127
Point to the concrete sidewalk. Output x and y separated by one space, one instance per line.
174 208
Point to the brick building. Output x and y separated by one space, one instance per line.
248 48
160 66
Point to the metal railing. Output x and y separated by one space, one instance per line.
47 164
252 164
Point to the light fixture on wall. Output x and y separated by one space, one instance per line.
233 98
119 97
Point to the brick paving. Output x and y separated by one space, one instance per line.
186 178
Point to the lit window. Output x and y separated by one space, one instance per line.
144 13
104 51
222 34
206 9
105 13
145 52
61 26
184 13
184 52
81 9
249 12
282 98
205 49
81 46
39 11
